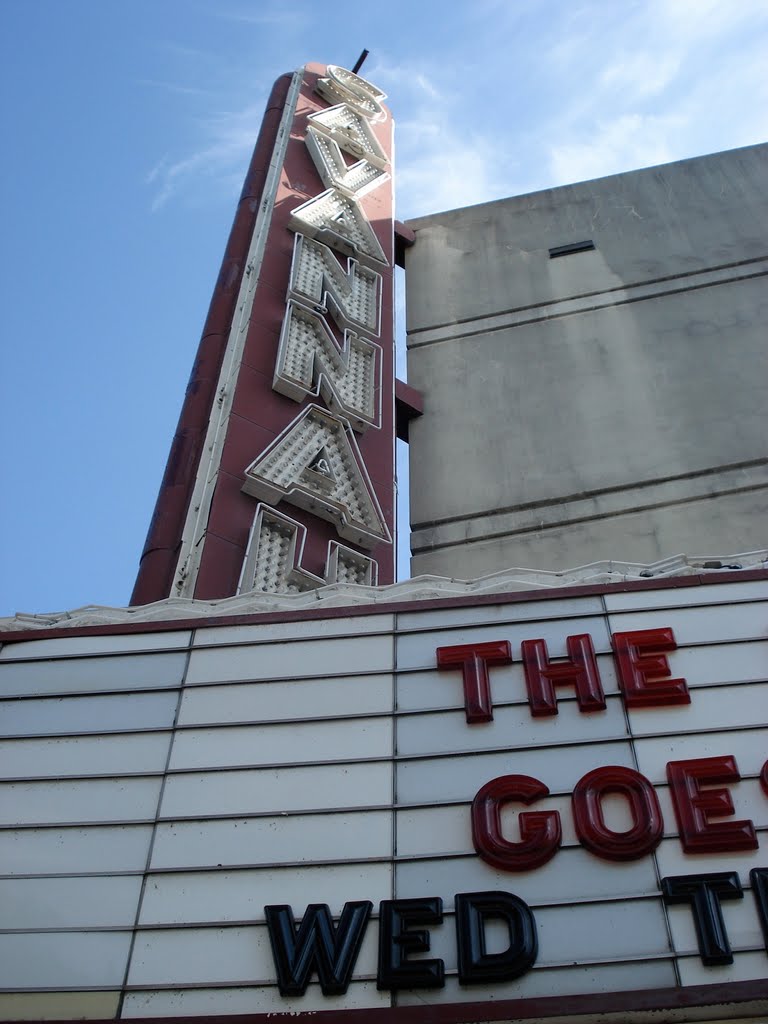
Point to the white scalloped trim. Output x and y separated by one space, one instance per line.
421 588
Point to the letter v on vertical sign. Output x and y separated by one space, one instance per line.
338 220
351 131
352 180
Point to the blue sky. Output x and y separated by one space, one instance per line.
128 127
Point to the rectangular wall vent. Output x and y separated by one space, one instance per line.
566 250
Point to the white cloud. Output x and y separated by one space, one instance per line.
220 162
694 71
438 167
183 90
639 75
629 141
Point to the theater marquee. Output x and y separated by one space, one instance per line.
542 805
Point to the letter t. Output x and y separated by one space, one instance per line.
473 660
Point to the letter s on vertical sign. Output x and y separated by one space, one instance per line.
540 831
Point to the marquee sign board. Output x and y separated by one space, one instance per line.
555 803
299 427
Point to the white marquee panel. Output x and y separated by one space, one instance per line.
264 999
123 712
433 780
575 980
279 744
503 615
745 967
309 658
272 840
62 851
89 675
84 755
106 800
673 860
267 702
274 791
748 746
63 959
243 956
720 663
221 896
306 629
511 726
553 882
703 625
70 902
710 709
71 646
688 597
740 920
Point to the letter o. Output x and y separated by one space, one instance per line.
648 824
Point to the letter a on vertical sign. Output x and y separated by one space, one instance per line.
317 465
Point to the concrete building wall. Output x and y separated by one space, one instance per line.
609 403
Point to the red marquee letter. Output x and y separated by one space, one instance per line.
541 676
473 660
540 831
647 821
694 805
644 671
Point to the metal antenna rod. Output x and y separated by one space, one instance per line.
360 61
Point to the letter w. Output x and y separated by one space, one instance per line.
315 945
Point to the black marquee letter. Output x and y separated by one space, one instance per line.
473 909
759 879
316 945
396 941
703 893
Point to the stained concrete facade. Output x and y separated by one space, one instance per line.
605 404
